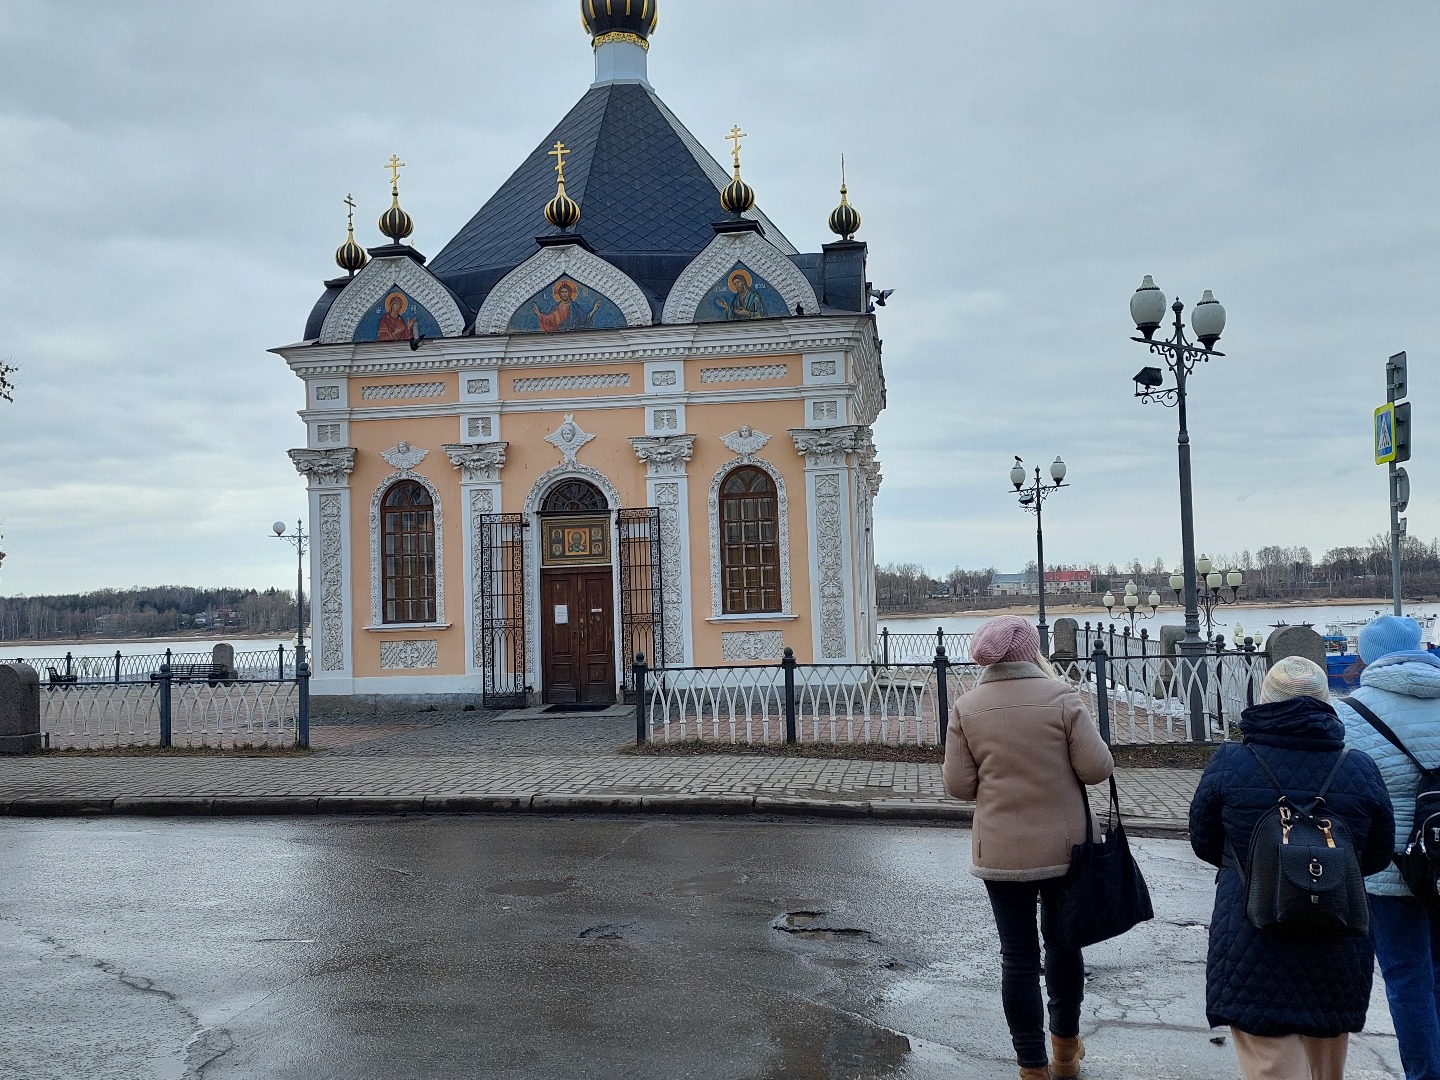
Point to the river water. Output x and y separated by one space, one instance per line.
56 650
1254 620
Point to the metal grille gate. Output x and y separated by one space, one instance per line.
642 617
502 610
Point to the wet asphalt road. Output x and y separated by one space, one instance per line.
555 948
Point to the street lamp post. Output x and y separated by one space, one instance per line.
1131 603
1181 357
300 541
1032 500
1212 595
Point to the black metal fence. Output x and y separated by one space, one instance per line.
1136 700
119 667
184 700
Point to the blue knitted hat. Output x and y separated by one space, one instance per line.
1388 634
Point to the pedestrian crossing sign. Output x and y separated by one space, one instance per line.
1385 434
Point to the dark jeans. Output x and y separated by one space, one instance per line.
1407 944
1014 903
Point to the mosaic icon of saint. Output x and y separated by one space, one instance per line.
566 314
743 302
393 324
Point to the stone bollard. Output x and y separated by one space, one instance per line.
1170 638
1065 654
1296 641
19 709
223 657
1064 639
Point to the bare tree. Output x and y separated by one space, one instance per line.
7 388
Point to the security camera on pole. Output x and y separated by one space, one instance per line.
1392 446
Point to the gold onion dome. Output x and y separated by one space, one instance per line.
350 256
620 20
396 223
845 220
562 211
737 196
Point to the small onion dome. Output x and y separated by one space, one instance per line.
396 223
562 211
350 256
620 20
845 221
738 196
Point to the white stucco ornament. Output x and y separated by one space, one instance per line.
746 442
403 456
570 439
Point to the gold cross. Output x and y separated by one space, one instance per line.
395 165
559 154
735 136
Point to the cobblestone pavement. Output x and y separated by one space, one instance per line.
519 761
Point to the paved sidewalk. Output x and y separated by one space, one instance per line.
456 762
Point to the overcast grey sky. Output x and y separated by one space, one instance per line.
173 176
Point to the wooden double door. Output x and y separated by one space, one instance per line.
577 616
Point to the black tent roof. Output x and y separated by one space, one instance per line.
648 193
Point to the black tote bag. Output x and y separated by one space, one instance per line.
1103 894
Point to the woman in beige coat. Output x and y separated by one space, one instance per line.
1016 744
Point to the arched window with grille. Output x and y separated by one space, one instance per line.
407 530
749 543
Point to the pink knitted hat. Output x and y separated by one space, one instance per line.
1003 640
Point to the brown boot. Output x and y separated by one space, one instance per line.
1034 1074
1065 1056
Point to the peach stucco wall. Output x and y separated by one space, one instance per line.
529 457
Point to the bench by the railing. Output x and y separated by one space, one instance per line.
214 674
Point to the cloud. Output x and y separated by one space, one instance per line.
174 174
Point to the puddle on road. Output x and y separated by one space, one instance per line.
824 1044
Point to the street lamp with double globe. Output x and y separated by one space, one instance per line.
1131 603
301 544
1181 356
1032 500
1212 594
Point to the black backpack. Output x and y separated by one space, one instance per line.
1419 860
1303 875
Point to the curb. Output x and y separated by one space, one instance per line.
678 804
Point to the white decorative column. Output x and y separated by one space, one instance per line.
480 495
831 511
667 487
867 487
331 624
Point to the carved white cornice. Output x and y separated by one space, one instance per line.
481 463
826 448
666 455
325 468
403 456
569 439
714 264
542 268
701 341
370 286
746 442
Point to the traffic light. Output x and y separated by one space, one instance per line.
1402 431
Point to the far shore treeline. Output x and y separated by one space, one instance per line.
162 611
1271 573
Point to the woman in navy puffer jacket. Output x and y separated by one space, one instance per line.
1401 685
1290 1003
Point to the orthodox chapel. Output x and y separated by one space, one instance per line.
619 413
